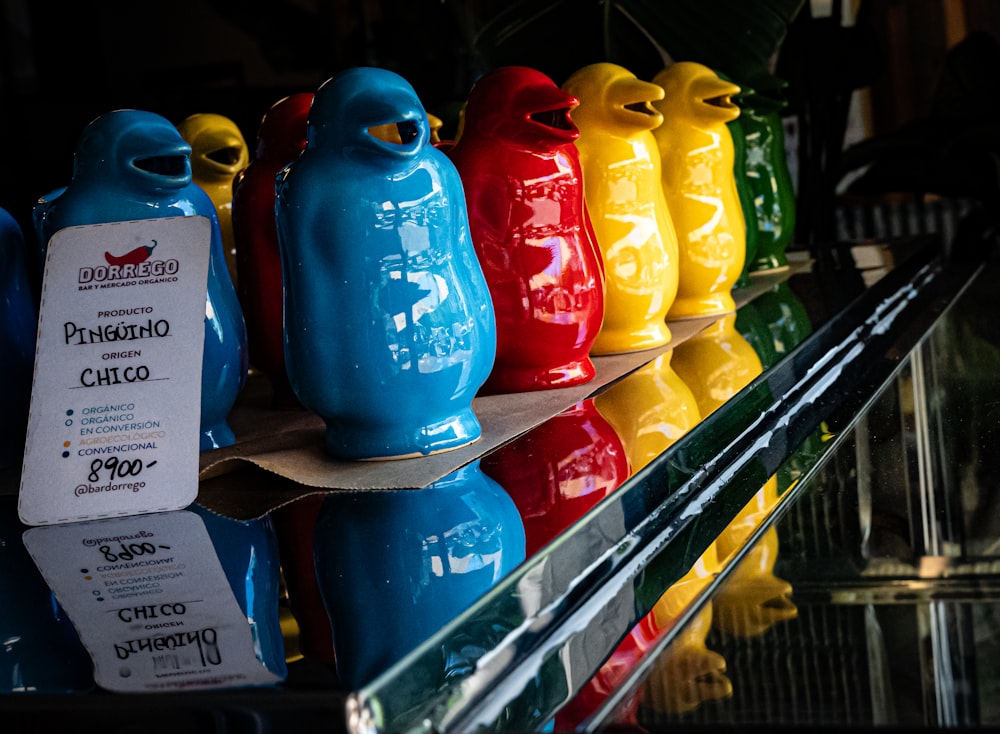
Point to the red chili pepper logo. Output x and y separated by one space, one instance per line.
132 257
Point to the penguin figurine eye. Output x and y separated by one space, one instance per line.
642 107
408 131
163 165
403 132
558 119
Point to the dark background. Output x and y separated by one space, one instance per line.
63 64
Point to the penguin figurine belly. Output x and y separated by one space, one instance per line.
131 165
524 188
699 183
389 326
281 136
218 154
624 197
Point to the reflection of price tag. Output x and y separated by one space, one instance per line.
150 601
116 400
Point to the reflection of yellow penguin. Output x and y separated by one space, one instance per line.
649 410
753 599
218 153
699 184
624 196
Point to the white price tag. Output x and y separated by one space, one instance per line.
150 602
115 412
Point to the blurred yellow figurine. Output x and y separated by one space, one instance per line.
218 153
624 196
699 183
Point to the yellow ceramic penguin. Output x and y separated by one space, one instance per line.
623 191
218 153
699 183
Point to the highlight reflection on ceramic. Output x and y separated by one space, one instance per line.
389 327
218 154
281 136
18 328
559 470
699 184
624 196
394 566
113 181
524 188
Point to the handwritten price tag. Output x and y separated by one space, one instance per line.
115 402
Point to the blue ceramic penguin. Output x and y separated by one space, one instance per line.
18 326
389 325
130 165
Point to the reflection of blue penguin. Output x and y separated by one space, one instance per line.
393 567
18 324
389 327
131 165
248 554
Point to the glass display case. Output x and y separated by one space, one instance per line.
785 519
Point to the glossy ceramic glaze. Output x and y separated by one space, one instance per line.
559 470
248 554
41 651
281 136
18 327
738 136
524 191
113 182
716 363
389 327
699 184
785 315
624 195
768 178
218 154
394 566
649 410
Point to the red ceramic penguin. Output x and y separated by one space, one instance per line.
529 225
280 138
